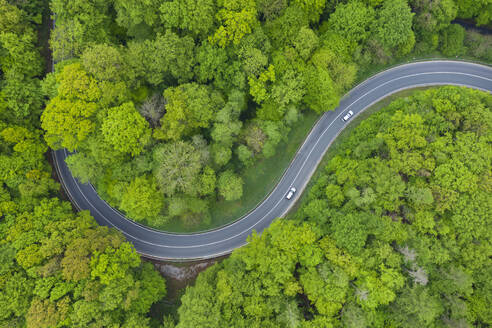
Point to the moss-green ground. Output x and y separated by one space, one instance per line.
259 180
334 148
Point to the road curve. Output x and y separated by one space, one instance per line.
178 247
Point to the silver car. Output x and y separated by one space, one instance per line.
291 193
347 116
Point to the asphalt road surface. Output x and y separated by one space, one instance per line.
178 247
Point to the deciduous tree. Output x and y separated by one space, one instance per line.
189 107
194 16
141 199
177 166
393 27
230 185
237 18
125 129
352 21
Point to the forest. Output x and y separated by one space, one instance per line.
165 104
395 232
58 268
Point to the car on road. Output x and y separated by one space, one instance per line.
347 116
291 193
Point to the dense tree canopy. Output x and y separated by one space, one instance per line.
394 232
192 15
189 107
91 277
236 75
57 268
20 65
352 21
125 129
166 104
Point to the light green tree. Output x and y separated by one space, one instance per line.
230 185
177 168
125 129
141 199
313 8
321 92
352 21
133 14
194 16
237 18
393 27
104 62
189 108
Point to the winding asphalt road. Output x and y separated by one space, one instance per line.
167 246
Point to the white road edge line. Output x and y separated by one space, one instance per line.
248 230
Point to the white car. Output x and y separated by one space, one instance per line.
291 193
347 116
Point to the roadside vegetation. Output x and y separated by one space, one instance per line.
57 268
173 106
170 105
394 233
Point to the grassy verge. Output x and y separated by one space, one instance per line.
259 180
335 146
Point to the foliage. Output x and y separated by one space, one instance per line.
177 167
321 94
393 233
189 107
58 268
478 45
104 62
452 40
20 64
168 57
395 230
125 129
79 24
67 119
142 199
313 8
90 277
226 79
393 28
236 18
352 21
230 186
136 16
431 18
480 10
194 16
